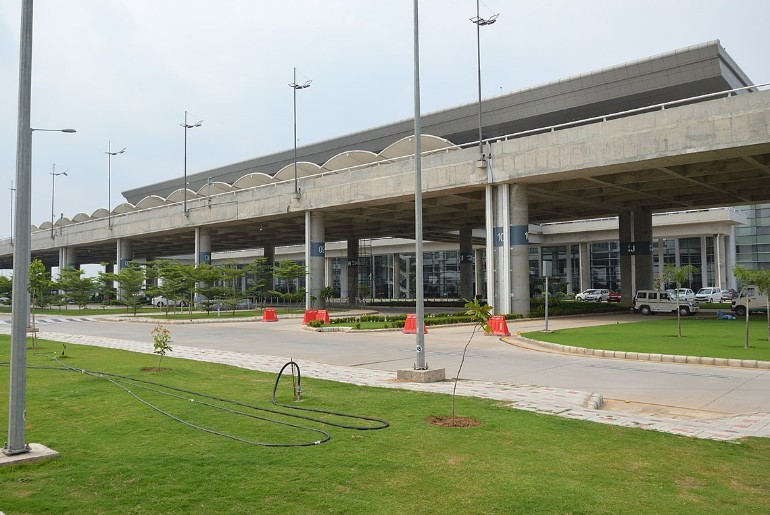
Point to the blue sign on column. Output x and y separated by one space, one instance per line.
519 235
204 258
497 236
317 248
123 263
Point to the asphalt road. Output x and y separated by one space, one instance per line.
659 386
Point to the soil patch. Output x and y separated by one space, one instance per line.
446 421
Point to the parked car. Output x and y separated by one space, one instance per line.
728 295
649 302
614 296
751 300
5 300
593 294
685 294
709 294
161 302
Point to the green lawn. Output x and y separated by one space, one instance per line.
700 337
120 456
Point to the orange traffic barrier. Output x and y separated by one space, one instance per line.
268 315
410 326
323 316
309 315
498 325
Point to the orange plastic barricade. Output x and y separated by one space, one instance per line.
410 326
498 325
268 315
309 315
323 316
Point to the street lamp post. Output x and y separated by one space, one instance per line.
187 126
294 86
109 181
479 21
13 191
54 174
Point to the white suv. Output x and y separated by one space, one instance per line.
709 294
648 302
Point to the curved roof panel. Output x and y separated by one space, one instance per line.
405 146
81 217
178 195
125 207
45 225
151 201
252 180
350 159
100 213
303 170
214 188
63 221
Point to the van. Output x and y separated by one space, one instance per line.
750 299
649 302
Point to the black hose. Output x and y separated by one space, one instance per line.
381 424
122 381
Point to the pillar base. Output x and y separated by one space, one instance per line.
421 376
36 452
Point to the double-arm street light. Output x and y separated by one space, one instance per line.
479 21
54 174
294 86
187 126
110 153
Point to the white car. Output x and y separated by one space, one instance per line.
594 294
685 294
162 302
709 294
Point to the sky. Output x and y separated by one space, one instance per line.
125 72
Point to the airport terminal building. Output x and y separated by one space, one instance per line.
602 178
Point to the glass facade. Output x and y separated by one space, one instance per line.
752 241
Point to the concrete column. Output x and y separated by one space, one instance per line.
731 260
519 248
627 247
661 256
397 276
492 233
568 268
466 263
677 257
125 253
67 257
352 274
644 270
202 246
315 252
585 265
479 270
268 251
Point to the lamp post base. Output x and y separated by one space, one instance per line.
421 376
33 452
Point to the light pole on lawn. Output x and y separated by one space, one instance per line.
480 22
294 86
110 153
187 126
54 174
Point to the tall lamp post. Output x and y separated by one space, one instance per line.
110 153
294 86
187 126
13 191
479 21
54 174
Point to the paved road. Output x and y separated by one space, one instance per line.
657 387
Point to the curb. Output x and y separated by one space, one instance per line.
642 356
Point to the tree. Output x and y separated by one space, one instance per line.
677 276
40 284
6 286
259 270
75 286
130 280
290 271
209 279
176 282
761 279
479 314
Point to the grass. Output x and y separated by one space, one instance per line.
700 337
120 456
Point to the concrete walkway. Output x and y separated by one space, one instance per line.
568 403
